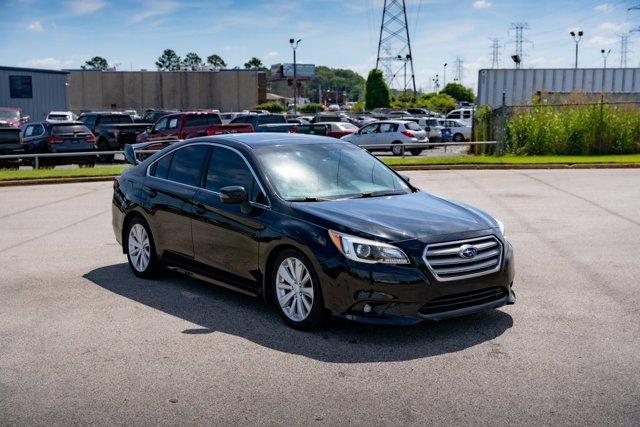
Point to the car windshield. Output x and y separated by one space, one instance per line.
314 172
347 126
11 115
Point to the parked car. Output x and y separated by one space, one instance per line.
326 118
257 120
112 131
432 126
315 226
339 129
333 107
152 116
183 126
12 116
361 120
389 134
460 131
298 121
10 143
59 137
422 112
61 116
227 117
465 115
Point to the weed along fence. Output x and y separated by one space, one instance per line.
569 128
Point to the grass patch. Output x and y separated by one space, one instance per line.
511 160
9 174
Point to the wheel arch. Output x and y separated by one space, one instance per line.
130 216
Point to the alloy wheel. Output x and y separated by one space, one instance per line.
139 247
294 289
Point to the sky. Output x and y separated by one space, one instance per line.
337 33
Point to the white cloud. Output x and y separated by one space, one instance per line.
613 26
482 4
85 7
35 26
604 8
272 55
53 63
602 41
154 9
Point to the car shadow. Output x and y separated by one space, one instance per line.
215 309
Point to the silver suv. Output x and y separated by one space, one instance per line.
390 135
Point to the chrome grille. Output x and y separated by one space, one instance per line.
446 261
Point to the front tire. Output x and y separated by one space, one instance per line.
141 251
458 137
397 149
296 291
416 151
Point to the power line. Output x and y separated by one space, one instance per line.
624 49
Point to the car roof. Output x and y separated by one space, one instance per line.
271 139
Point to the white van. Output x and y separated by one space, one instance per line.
464 115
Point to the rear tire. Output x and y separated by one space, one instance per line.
141 250
105 158
87 165
416 151
458 137
296 291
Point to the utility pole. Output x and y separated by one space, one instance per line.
519 28
624 49
459 70
577 36
394 44
294 45
444 75
495 53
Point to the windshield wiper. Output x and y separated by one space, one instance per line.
378 194
307 199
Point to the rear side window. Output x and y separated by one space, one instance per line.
412 126
59 130
161 167
466 114
203 120
187 165
454 115
173 123
227 168
388 127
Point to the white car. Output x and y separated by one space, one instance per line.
465 115
61 116
334 107
388 135
227 117
460 131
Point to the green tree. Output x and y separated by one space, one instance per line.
459 92
192 61
440 102
254 64
310 108
376 91
168 61
336 80
216 61
96 63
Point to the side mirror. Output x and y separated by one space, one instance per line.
427 128
233 194
405 177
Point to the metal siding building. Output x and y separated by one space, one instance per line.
36 92
520 86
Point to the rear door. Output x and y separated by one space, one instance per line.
387 134
225 236
169 192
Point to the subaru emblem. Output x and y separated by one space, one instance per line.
468 251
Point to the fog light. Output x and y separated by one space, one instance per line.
366 308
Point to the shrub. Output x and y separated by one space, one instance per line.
272 107
310 108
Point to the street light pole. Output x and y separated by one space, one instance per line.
577 36
294 46
444 75
605 55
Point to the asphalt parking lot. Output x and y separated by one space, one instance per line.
84 341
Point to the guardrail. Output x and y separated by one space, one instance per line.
371 147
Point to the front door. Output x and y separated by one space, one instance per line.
225 236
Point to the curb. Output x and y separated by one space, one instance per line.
72 180
44 181
517 166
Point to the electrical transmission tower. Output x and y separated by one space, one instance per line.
495 53
519 28
394 45
624 49
459 67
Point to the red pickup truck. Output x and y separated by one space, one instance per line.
189 125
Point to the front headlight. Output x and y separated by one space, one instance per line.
500 226
369 251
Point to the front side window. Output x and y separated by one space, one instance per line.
228 168
454 115
327 171
369 129
28 131
187 164
161 125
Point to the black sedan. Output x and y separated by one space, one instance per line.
314 226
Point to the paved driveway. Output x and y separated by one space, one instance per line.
83 341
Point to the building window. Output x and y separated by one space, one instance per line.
20 87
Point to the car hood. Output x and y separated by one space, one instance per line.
419 215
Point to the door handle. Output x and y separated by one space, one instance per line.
151 192
200 209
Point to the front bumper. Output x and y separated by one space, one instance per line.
384 294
